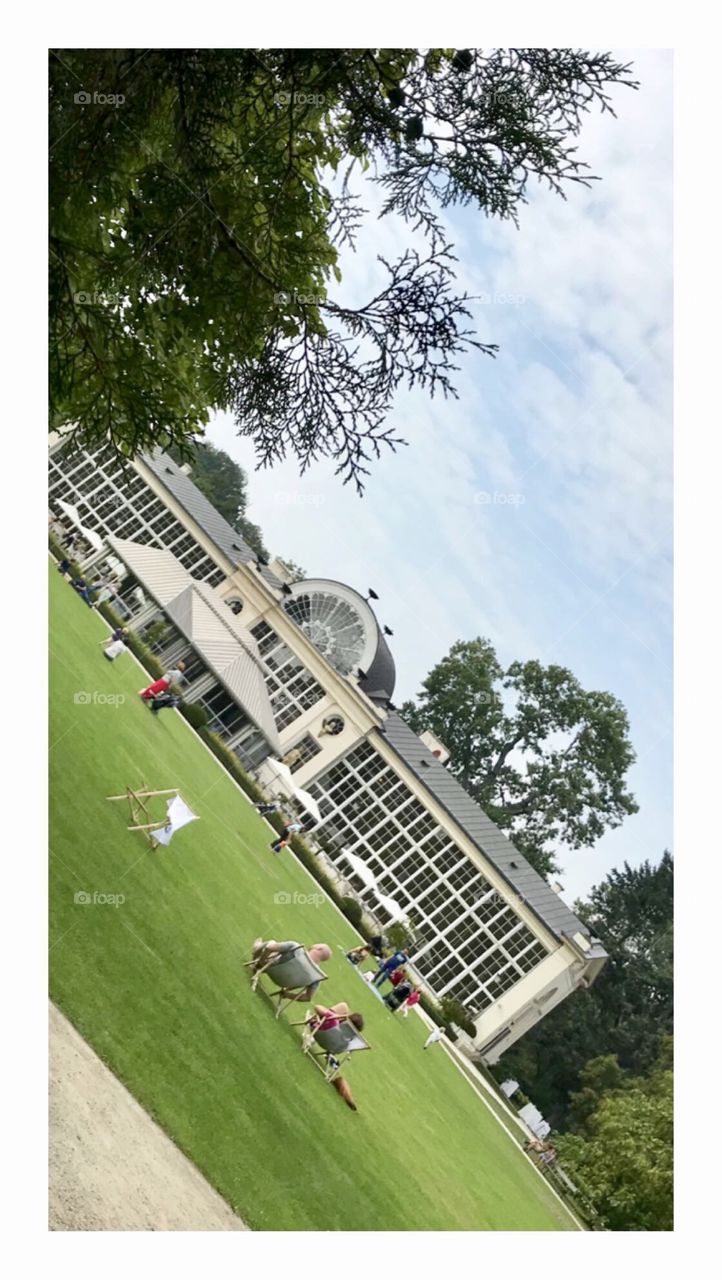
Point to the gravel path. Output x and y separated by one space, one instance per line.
111 1167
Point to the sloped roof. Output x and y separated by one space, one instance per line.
531 888
156 568
230 651
217 528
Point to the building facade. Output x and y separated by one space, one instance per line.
490 931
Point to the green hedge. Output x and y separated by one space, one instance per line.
195 714
352 910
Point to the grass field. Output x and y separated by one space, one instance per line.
156 985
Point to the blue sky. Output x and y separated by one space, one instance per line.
536 509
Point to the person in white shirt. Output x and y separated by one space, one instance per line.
434 1036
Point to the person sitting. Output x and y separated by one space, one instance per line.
83 589
396 998
357 954
290 829
264 954
163 684
398 976
327 1017
165 701
116 645
269 808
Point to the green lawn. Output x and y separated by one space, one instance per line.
157 987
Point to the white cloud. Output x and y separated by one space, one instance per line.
573 415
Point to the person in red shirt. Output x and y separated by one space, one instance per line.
398 976
412 1000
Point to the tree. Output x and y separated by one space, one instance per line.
600 1076
400 935
629 1010
545 758
453 1011
622 1162
296 572
225 484
195 230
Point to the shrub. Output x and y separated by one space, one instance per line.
232 764
352 910
453 1011
307 857
195 714
434 1011
400 936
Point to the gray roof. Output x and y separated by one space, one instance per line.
489 840
213 524
228 649
381 675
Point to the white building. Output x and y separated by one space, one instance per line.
316 676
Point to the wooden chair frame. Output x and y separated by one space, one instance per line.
136 799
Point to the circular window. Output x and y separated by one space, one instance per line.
234 604
333 625
333 725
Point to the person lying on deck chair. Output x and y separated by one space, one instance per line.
326 1017
264 954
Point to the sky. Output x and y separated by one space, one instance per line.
536 510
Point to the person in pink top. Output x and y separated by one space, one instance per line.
325 1018
409 1004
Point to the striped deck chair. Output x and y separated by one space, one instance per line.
290 972
330 1049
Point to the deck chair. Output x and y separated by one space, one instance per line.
292 972
330 1049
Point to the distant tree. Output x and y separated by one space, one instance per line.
225 484
598 1077
545 758
196 227
295 570
400 935
629 1010
454 1011
622 1161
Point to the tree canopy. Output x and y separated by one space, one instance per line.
199 199
225 484
628 1012
622 1160
545 758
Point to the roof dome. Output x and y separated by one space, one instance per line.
342 626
